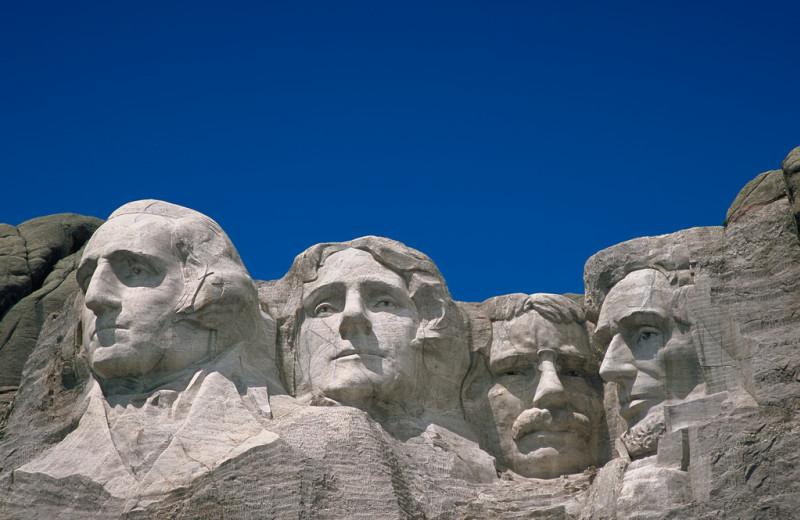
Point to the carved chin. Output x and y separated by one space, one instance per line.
550 461
120 361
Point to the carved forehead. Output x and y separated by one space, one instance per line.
643 291
353 266
530 332
162 209
144 234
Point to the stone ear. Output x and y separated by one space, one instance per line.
215 302
431 306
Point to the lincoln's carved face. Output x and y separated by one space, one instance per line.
132 281
647 355
354 343
545 409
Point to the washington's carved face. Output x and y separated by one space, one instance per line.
544 407
355 340
649 359
132 281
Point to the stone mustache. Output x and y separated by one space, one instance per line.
357 368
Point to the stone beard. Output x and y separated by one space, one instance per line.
649 354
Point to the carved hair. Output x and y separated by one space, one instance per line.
553 307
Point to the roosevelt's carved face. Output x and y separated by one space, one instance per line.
649 359
132 282
544 406
354 343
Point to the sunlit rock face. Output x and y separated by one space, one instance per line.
544 398
161 381
649 353
177 386
374 327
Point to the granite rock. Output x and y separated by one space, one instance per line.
36 262
355 387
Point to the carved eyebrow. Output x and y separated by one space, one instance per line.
379 286
89 264
498 365
125 254
322 292
640 318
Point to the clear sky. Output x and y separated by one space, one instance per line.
509 141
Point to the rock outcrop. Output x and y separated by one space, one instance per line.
37 258
355 387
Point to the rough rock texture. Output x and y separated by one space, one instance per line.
765 188
791 175
36 260
727 454
695 334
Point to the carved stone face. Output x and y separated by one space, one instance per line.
544 407
354 343
132 281
646 355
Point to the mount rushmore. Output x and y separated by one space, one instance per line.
144 374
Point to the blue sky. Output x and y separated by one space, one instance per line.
508 141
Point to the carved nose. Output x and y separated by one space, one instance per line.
549 392
618 362
354 317
103 290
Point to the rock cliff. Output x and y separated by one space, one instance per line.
354 387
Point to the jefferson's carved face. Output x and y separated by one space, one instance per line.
648 358
132 281
544 407
355 339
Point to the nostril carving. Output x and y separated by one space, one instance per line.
353 323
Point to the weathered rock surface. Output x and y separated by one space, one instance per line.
695 334
36 261
791 175
724 453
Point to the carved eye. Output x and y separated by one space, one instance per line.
519 372
138 269
384 304
324 309
133 272
649 335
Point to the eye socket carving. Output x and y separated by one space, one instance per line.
137 269
83 282
325 309
135 272
648 334
519 374
384 303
